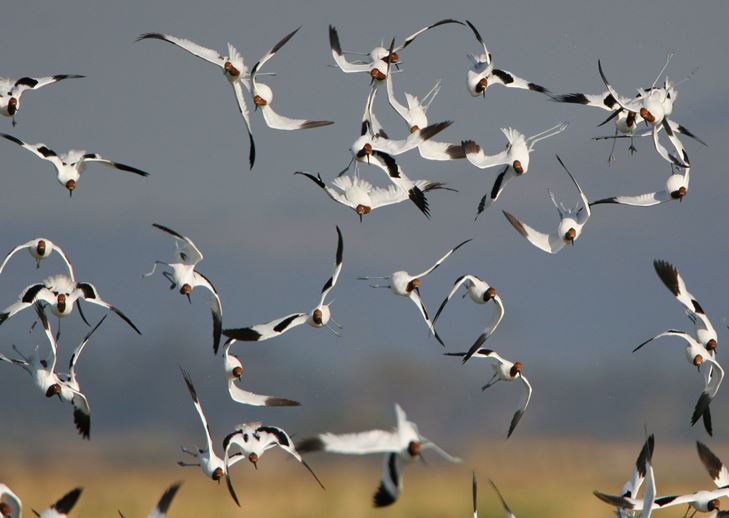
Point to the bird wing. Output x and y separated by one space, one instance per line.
193 48
584 212
79 348
507 511
486 52
459 281
17 249
415 297
89 294
33 83
339 58
714 466
260 332
359 443
245 113
641 200
550 243
249 398
164 502
277 121
185 249
511 80
268 55
407 41
216 307
439 261
39 150
390 482
488 330
633 105
32 293
198 407
517 415
604 100
81 413
670 332
475 155
94 157
332 281
632 486
433 150
63 506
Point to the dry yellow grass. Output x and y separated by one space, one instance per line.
545 478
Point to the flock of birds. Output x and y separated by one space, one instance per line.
648 113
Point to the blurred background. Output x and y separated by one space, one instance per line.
269 241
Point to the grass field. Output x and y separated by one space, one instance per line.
549 478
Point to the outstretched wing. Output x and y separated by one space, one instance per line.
415 297
550 243
440 261
249 398
337 268
517 415
89 294
209 55
261 332
186 250
164 503
39 150
390 483
459 281
216 307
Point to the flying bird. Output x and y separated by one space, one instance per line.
570 226
160 511
184 277
515 157
404 443
406 285
482 74
504 370
71 164
40 248
676 188
318 317
10 504
211 465
63 506
12 89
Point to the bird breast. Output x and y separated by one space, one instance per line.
399 283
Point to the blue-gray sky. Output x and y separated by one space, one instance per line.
269 237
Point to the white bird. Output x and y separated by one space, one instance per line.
403 443
415 115
676 188
184 277
234 372
12 89
670 277
697 355
483 74
263 95
570 226
515 157
653 106
504 370
406 285
642 471
63 506
50 383
211 465
251 440
318 317
10 504
362 197
40 248
71 164
233 68
60 293
507 511
160 511
377 60
480 292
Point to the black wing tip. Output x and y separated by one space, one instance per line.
315 124
190 386
574 98
702 406
430 131
244 334
310 445
279 401
67 501
514 421
151 35
539 89
334 40
130 169
418 198
12 139
668 275
383 497
615 501
82 421
316 179
167 496
469 147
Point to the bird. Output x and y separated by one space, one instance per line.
652 106
40 248
474 494
263 96
482 74
670 277
415 115
10 504
251 440
234 372
63 506
60 292
12 89
50 383
362 197
160 511
571 222
233 68
402 443
676 188
507 511
504 370
697 355
318 317
480 292
515 157
71 164
406 285
377 60
642 471
185 278
211 465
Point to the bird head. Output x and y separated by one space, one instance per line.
413 285
515 369
12 105
253 458
481 86
230 69
713 505
53 390
70 185
517 167
414 448
711 345
679 193
217 474
40 248
316 316
647 115
238 372
489 294
61 302
570 235
698 360
414 128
